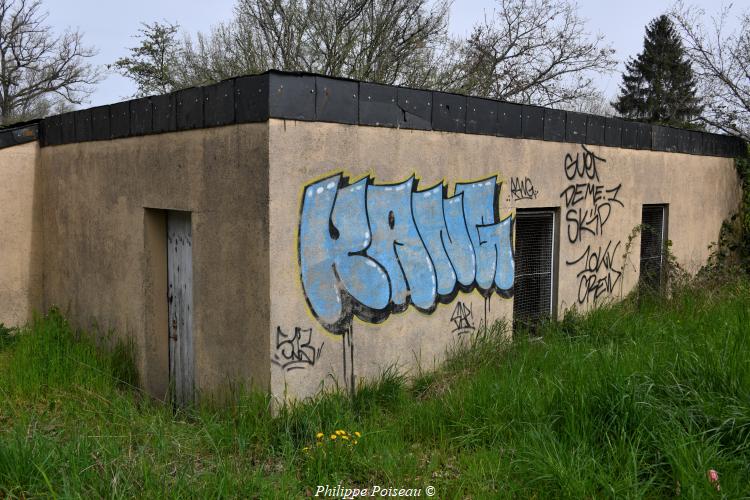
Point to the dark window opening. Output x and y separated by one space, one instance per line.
533 288
653 227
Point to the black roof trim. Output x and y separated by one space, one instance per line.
313 97
19 133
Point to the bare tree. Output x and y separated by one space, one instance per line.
387 41
154 62
39 70
222 53
721 62
534 51
530 51
593 103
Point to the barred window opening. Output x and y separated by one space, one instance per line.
652 246
534 268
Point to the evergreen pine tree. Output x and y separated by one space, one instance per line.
658 85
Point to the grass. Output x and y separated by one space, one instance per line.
634 400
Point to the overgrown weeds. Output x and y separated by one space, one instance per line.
636 399
7 336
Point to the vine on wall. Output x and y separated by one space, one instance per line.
732 251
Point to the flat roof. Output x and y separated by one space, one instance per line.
313 97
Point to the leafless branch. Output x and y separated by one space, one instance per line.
37 68
532 51
388 41
721 61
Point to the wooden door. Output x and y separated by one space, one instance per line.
180 272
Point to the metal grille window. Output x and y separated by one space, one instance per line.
534 267
652 246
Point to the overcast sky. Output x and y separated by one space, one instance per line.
110 25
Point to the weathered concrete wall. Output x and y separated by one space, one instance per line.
104 246
700 192
20 235
91 218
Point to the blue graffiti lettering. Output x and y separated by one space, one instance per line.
370 250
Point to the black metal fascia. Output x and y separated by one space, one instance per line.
312 97
19 133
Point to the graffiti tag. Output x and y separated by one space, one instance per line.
370 250
598 274
522 189
295 352
462 318
589 203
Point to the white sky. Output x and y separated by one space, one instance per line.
110 25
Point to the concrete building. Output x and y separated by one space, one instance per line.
292 231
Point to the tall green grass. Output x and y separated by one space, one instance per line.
634 400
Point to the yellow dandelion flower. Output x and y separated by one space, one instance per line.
340 432
355 441
319 435
306 448
345 437
356 433
333 436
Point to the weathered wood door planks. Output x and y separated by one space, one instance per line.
180 271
